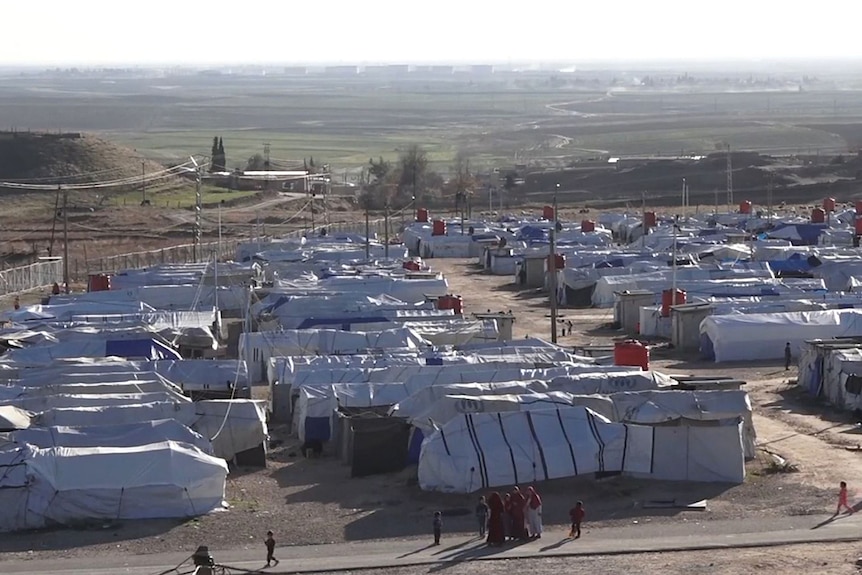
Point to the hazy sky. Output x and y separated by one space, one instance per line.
261 31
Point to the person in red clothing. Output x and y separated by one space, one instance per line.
496 526
577 515
519 521
842 499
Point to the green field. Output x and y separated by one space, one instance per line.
499 120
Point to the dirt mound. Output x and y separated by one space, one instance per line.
67 158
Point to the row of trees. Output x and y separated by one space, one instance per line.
409 179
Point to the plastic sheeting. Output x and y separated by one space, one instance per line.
762 336
590 382
123 435
60 485
484 450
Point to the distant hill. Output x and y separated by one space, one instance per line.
67 158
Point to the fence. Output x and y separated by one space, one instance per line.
30 277
79 270
42 274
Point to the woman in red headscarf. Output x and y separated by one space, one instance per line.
496 528
534 512
519 525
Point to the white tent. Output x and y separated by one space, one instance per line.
60 485
123 435
762 336
483 450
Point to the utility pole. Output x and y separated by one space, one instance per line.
643 221
673 281
729 178
66 240
367 232
143 184
552 269
311 204
219 227
386 231
197 243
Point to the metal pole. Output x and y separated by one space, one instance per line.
552 270
219 226
66 240
673 281
215 278
198 207
143 183
367 233
643 220
386 232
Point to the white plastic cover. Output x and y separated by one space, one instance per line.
479 451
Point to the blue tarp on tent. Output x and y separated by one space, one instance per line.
148 348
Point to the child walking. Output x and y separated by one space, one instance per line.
482 515
270 549
842 499
438 526
577 514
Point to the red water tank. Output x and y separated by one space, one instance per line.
438 228
858 226
631 352
649 219
829 204
559 262
422 215
548 213
98 282
668 300
411 266
588 226
818 216
453 302
745 207
858 208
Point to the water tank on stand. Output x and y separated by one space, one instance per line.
818 216
668 299
631 352
745 207
453 302
829 205
98 282
422 215
548 213
588 226
559 262
438 228
649 219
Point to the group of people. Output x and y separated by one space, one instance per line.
515 516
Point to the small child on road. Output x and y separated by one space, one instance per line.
438 526
577 514
270 549
842 499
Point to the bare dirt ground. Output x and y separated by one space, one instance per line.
315 501
823 559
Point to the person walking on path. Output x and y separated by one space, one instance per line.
482 515
270 549
842 499
496 520
534 513
577 514
438 527
788 356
